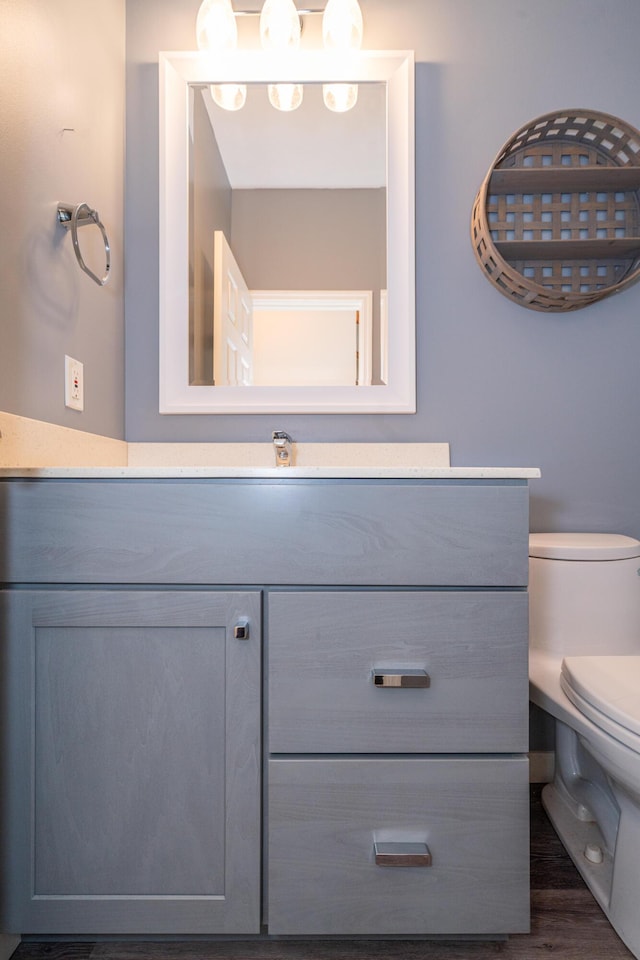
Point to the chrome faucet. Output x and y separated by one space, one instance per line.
282 443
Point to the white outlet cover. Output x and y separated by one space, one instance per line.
73 384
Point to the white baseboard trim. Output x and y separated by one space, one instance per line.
541 766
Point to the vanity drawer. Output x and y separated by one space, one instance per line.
285 531
326 815
327 648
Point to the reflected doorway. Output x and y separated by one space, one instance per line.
314 338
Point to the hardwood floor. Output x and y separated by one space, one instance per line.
566 923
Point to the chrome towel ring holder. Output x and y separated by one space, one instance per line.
82 215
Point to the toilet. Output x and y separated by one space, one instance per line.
584 669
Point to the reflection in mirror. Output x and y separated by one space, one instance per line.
294 229
299 202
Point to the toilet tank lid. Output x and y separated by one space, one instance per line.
583 546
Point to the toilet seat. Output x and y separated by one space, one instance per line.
583 546
607 691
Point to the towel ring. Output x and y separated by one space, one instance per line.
70 216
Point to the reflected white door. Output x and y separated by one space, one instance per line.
312 338
232 319
312 348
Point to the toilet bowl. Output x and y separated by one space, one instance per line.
584 669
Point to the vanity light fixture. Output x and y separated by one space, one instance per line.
280 25
341 31
216 29
280 30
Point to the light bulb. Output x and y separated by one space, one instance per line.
340 97
280 30
341 30
229 96
216 27
285 96
279 25
342 25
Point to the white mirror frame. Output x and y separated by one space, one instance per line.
178 70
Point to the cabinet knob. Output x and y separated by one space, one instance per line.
241 630
402 854
388 677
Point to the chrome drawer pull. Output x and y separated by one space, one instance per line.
241 630
402 854
400 678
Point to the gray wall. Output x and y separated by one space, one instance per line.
504 385
310 239
313 240
61 138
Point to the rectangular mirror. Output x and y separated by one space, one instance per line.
286 238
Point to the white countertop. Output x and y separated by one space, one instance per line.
32 449
273 473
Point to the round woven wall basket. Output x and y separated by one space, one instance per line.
556 222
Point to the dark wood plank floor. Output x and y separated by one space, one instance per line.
566 924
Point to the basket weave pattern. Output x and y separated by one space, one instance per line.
567 141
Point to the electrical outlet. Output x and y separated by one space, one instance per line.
73 384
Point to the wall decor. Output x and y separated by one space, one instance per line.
556 222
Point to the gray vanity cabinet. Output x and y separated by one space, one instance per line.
393 708
134 789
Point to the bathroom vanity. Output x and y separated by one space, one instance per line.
270 705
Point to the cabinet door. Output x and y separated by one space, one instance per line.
133 775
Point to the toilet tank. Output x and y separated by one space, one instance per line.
584 594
